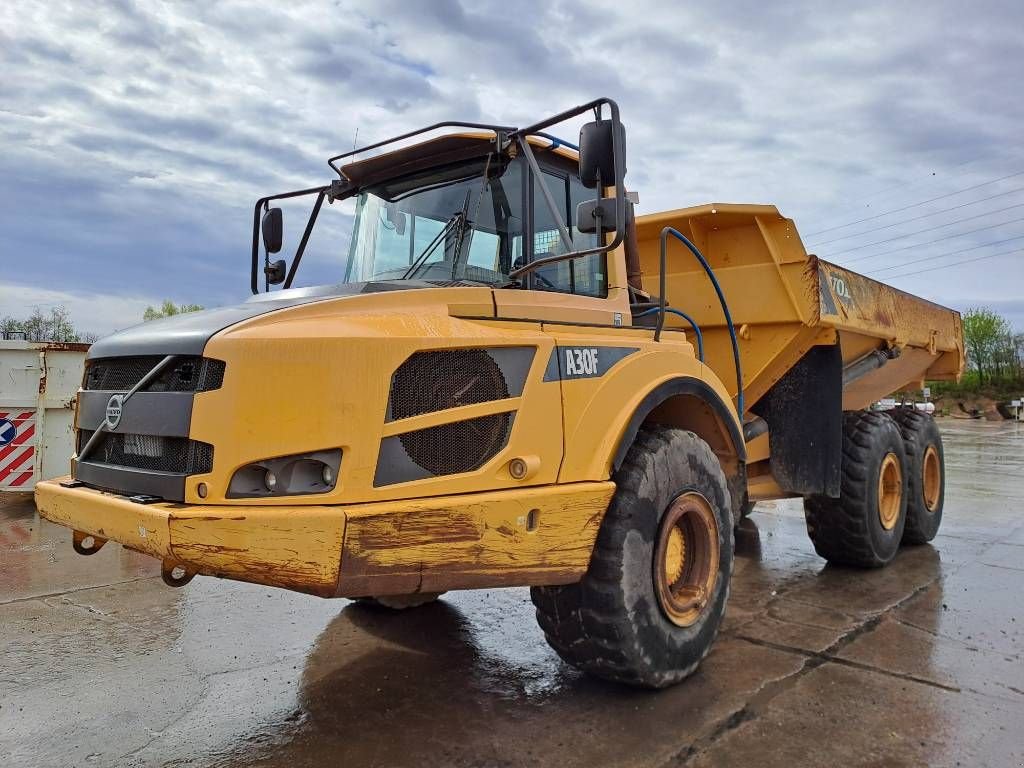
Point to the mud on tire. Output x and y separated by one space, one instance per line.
611 624
850 530
926 474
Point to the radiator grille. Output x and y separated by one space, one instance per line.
150 452
461 446
433 381
189 374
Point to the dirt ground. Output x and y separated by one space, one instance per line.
921 663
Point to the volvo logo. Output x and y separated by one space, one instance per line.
114 407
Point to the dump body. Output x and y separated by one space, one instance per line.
784 301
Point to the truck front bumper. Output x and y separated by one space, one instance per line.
516 537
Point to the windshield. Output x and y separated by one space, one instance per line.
455 223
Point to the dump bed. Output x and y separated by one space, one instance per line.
784 302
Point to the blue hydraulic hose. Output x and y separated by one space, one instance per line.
721 299
687 318
555 141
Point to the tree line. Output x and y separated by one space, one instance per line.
57 325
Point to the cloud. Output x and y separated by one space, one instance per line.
90 312
137 135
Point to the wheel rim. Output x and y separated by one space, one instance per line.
931 478
686 559
890 489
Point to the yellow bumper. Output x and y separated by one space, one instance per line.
500 538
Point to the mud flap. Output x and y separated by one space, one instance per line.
804 411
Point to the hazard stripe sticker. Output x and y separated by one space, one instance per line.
21 480
17 448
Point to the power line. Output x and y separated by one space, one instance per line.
915 205
918 218
909 184
944 255
937 240
956 264
926 229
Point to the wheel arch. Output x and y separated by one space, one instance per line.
692 404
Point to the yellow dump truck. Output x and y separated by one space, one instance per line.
513 380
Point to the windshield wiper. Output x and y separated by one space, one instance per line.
458 219
432 245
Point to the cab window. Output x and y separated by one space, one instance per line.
587 275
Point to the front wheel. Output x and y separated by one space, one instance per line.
649 607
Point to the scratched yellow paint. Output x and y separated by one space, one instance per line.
138 526
530 536
295 548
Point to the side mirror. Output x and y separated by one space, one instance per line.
591 213
273 230
597 154
276 269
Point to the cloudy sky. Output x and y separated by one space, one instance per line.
135 137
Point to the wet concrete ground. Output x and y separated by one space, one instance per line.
916 664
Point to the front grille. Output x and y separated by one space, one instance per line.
433 381
150 452
188 374
461 446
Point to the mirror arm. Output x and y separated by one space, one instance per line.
305 238
620 192
256 227
524 144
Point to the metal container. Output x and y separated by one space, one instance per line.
39 383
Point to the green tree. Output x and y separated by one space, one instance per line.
985 333
169 308
40 326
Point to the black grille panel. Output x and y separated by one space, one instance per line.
461 446
434 381
150 452
189 374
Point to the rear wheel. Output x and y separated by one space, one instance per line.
651 602
864 526
926 474
399 602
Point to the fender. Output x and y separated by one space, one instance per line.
684 385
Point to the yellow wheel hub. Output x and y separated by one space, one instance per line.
890 491
931 478
686 558
675 555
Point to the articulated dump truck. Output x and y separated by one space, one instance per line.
515 381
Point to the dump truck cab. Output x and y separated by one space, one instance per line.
508 384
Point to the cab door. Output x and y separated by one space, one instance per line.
587 290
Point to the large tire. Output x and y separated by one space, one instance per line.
399 602
862 527
926 474
634 617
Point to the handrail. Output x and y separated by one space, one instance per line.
721 299
690 320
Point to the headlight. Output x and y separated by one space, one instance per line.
300 474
